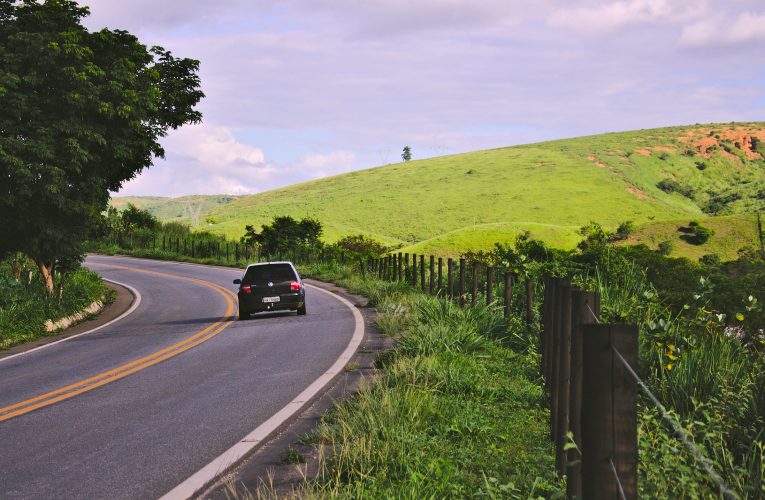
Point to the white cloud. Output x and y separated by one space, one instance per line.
213 146
610 16
204 159
747 27
323 165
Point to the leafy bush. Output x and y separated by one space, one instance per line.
696 234
672 186
665 247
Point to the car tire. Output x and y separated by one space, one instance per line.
244 314
301 311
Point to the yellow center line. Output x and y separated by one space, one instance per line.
124 370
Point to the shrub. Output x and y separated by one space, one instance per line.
665 247
696 234
701 165
623 231
664 156
672 186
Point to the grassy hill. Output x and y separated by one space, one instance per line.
658 178
183 209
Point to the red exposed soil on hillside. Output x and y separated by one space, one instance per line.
704 141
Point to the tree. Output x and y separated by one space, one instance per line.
136 218
284 234
407 154
80 113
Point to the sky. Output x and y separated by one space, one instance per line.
302 89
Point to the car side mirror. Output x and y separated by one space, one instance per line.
237 281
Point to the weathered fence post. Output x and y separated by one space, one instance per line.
449 278
462 282
508 294
489 285
585 308
422 272
609 412
408 267
413 273
529 301
475 283
400 267
440 274
432 274
564 379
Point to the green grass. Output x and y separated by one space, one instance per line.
450 204
732 232
455 413
25 305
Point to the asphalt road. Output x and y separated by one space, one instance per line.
135 408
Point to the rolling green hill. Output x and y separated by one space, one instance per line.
182 209
658 178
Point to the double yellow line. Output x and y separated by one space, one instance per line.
88 384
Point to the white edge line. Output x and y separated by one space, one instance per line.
230 457
136 303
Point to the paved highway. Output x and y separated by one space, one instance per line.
135 408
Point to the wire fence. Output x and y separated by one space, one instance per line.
590 372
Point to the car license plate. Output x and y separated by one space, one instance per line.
271 299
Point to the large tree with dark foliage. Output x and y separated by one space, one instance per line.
284 235
80 113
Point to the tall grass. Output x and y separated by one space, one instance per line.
452 415
25 305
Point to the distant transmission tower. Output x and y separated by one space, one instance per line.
191 212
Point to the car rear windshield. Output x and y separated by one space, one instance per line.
271 272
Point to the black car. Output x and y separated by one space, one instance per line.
270 286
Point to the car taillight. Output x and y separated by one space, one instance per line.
246 289
295 285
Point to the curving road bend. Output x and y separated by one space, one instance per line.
135 408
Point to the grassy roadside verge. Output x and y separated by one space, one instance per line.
25 305
454 413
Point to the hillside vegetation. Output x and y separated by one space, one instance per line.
660 179
182 209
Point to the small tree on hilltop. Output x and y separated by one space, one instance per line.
406 155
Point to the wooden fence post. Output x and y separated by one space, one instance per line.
547 331
449 278
475 283
529 301
609 412
422 272
508 294
407 268
400 267
440 274
413 271
462 282
489 285
585 307
432 274
564 379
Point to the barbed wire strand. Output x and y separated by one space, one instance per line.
597 320
681 434
619 487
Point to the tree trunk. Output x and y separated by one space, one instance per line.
47 271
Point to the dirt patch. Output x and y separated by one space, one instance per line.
594 159
643 152
636 192
703 142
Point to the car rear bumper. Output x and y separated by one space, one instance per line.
253 303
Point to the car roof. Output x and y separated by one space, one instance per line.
271 263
